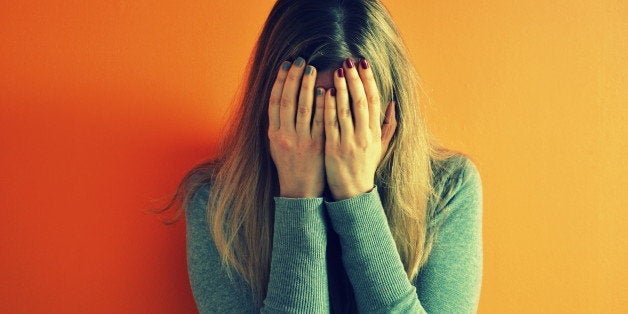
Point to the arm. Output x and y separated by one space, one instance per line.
451 279
298 275
450 282
298 271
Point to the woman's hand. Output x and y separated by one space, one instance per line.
297 150
353 150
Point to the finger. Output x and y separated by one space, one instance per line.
318 126
372 93
306 102
332 131
359 103
289 95
275 96
343 112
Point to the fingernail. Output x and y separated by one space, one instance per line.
308 69
349 63
341 72
364 64
319 91
333 91
299 61
285 65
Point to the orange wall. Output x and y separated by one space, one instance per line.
106 104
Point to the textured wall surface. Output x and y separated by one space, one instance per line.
105 104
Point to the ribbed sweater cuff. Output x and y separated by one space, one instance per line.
298 275
369 253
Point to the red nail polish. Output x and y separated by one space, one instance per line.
333 91
364 64
341 72
349 63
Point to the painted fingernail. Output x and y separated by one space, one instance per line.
349 63
333 91
299 61
319 91
308 69
341 72
285 65
364 64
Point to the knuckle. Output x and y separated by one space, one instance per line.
330 149
345 112
361 103
304 110
306 84
292 77
284 142
360 147
285 101
365 142
280 79
373 99
273 134
273 101
314 146
345 149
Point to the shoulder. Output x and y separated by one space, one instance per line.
467 175
453 166
455 173
198 182
196 206
469 188
458 183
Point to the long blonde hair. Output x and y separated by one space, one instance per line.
243 177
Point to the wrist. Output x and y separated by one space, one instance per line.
289 194
350 193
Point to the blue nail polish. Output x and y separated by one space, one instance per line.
308 69
285 65
299 61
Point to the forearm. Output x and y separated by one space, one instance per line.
370 256
298 274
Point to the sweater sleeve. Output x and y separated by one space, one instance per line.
298 274
451 279
451 282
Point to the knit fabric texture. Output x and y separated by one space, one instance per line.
325 251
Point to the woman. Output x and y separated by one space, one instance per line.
329 194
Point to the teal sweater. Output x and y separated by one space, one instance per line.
326 250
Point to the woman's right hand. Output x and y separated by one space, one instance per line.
297 149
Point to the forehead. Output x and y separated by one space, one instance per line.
325 79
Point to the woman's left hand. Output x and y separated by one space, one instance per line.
353 150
